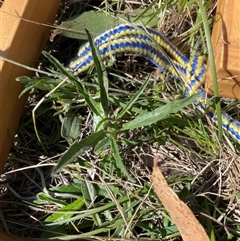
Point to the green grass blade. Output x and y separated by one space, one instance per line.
213 69
209 222
118 159
78 148
134 98
101 74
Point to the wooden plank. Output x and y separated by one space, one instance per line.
21 41
226 45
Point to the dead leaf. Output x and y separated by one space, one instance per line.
187 224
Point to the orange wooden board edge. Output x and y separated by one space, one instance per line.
226 46
22 42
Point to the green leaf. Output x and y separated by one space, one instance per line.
78 148
102 145
43 198
97 22
88 191
42 83
102 76
66 189
160 113
90 195
66 212
119 161
116 191
71 126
